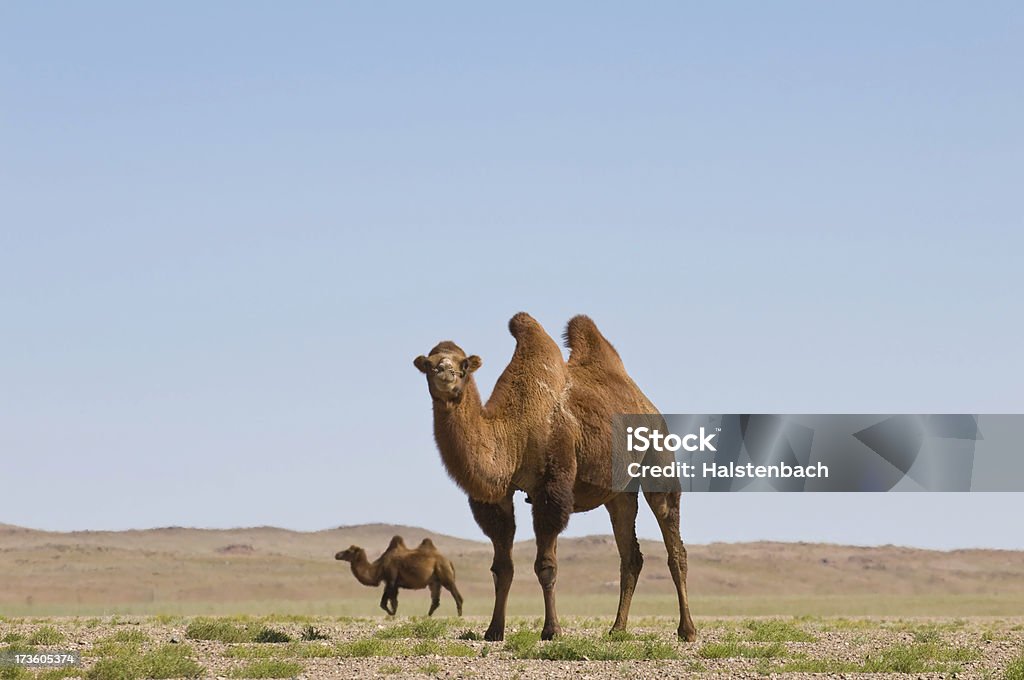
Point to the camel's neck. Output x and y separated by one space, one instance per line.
478 450
365 572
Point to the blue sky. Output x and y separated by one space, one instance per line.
226 230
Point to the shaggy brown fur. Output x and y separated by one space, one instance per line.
399 567
546 430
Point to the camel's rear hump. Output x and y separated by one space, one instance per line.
589 347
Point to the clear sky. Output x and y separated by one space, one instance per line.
226 229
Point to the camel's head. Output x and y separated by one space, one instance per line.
448 369
350 554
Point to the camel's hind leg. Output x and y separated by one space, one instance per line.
622 510
498 522
446 575
389 597
666 510
435 597
456 595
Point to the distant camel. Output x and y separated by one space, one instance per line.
400 567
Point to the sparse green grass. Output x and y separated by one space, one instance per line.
766 646
991 635
283 651
629 636
438 648
389 669
420 629
234 631
364 648
927 635
166 661
268 668
733 649
918 658
221 630
526 644
110 648
1015 670
311 632
837 624
59 673
246 651
171 661
11 672
520 642
46 635
777 630
806 665
127 636
316 650
269 635
927 657
431 668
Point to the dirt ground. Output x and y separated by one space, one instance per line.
977 647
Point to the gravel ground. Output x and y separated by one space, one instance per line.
984 646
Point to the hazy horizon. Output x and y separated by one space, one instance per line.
520 536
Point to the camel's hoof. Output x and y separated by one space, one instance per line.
550 632
494 634
687 635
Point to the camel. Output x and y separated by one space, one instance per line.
400 567
547 430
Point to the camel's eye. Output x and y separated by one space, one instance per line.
437 369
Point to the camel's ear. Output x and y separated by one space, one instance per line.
422 363
471 363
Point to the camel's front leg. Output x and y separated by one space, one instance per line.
498 522
551 510
666 509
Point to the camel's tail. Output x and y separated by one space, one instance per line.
587 345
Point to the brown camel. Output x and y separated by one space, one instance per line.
400 567
547 430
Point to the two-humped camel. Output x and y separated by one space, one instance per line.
400 567
547 430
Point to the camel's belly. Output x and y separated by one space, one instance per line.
588 496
